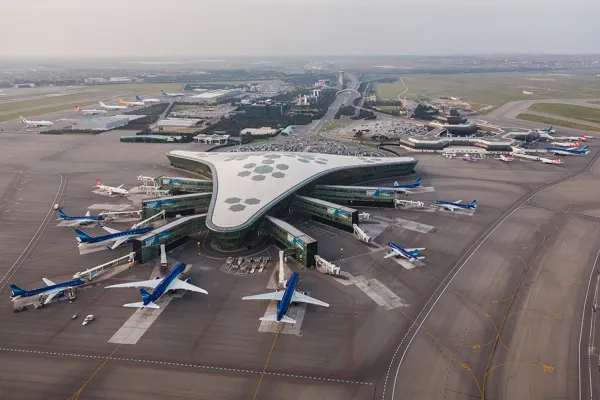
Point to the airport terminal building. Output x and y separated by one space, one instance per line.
249 187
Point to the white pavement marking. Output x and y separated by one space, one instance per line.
178 364
379 293
141 320
406 224
406 264
581 329
470 213
295 312
91 248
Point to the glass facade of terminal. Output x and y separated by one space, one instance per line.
172 205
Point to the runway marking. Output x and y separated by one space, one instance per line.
379 293
134 328
178 364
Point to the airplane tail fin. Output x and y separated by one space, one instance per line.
473 204
62 214
22 119
82 237
145 294
121 101
98 182
78 108
418 181
141 305
162 91
273 318
415 254
102 104
138 98
585 148
17 291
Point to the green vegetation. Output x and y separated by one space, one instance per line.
141 89
492 89
330 125
594 102
557 122
46 101
40 111
568 110
313 137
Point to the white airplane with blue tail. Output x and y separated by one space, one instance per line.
411 255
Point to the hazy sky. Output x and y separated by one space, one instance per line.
162 28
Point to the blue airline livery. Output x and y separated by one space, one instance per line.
51 290
81 220
411 255
403 188
161 286
453 205
114 235
285 299
171 94
568 152
547 130
138 98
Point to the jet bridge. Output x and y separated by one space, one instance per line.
326 210
173 234
184 204
359 195
185 185
305 246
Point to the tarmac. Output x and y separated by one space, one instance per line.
446 328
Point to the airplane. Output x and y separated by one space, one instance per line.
131 103
566 144
113 107
160 286
505 158
116 236
547 130
402 188
550 161
568 152
172 94
83 220
111 189
90 112
453 205
467 157
138 98
583 138
285 299
411 255
33 124
51 290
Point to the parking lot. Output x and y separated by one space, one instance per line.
307 145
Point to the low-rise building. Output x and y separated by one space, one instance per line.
211 139
101 123
264 131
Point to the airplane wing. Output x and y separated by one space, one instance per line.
152 283
51 296
110 230
119 187
458 202
182 285
266 296
75 223
48 282
392 253
119 242
416 248
302 298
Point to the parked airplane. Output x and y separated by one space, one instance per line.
83 220
467 157
90 112
583 138
550 161
171 94
566 144
113 107
160 286
405 188
118 237
547 130
568 152
453 205
131 103
411 255
138 98
51 290
111 189
33 124
505 158
285 298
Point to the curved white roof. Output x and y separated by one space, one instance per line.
245 185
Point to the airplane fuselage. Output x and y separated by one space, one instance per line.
286 300
113 236
164 285
449 204
49 289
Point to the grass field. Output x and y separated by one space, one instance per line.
40 111
86 94
568 110
557 122
493 89
236 82
387 108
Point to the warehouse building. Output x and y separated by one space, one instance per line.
101 123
